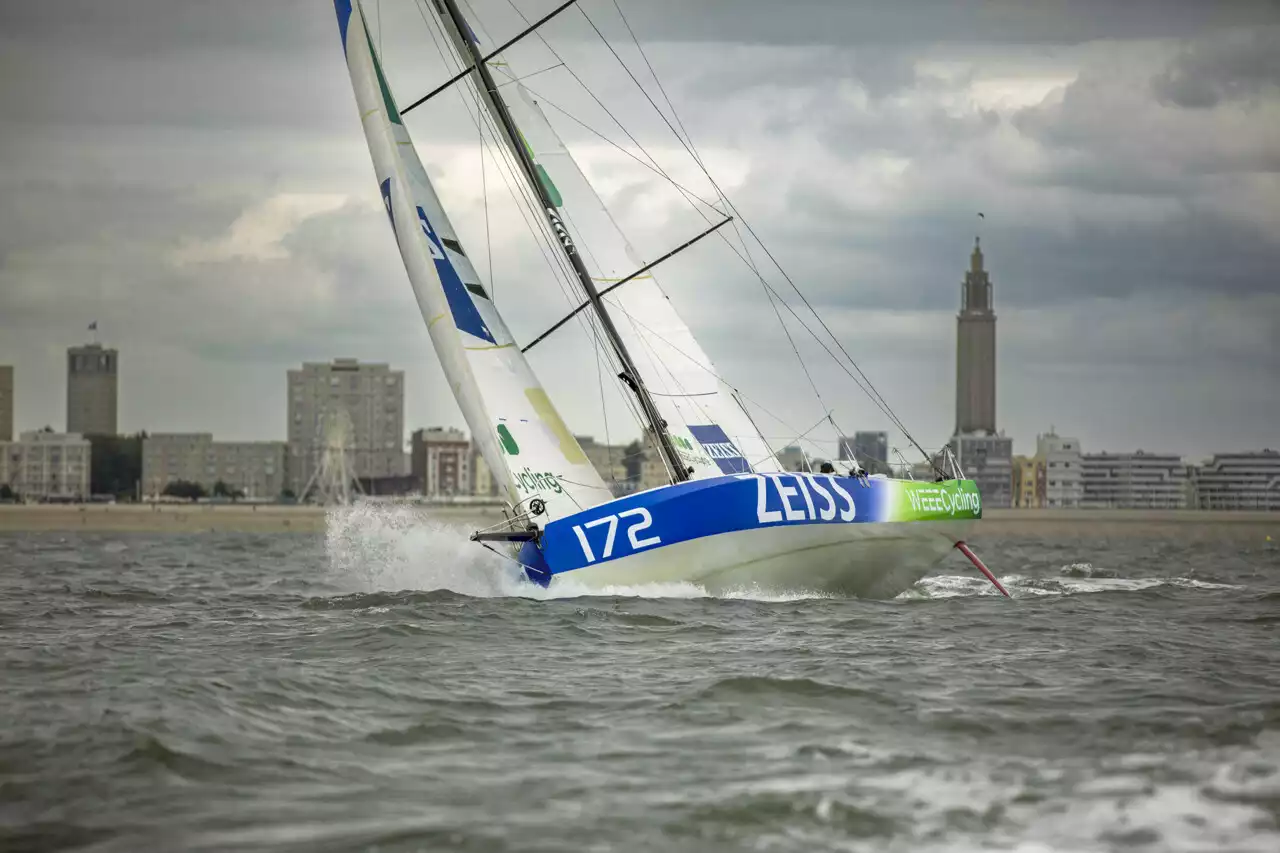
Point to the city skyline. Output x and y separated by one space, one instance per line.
1135 270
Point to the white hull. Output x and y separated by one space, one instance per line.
877 560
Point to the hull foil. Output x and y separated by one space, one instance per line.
784 533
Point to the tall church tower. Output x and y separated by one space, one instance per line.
976 352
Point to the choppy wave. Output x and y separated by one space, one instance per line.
390 686
376 548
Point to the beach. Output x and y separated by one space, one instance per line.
277 518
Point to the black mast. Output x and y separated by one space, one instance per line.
449 11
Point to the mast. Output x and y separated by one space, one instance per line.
460 32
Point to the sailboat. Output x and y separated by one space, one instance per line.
730 517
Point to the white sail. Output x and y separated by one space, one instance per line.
710 429
511 418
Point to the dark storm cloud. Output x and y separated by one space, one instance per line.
845 22
1237 66
193 175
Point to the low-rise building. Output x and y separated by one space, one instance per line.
1138 480
252 469
792 458
1245 481
1028 482
43 465
441 459
483 481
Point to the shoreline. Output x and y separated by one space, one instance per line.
274 518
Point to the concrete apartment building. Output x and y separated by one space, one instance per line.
869 448
6 402
792 458
988 461
92 379
609 460
1241 481
1063 470
483 482
441 460
256 468
1053 478
1138 480
364 399
46 465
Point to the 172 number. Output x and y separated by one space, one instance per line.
643 521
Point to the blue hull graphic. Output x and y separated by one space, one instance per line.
692 510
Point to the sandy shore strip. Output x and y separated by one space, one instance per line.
215 518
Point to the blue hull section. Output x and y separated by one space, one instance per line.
682 512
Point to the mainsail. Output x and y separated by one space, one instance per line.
512 420
710 428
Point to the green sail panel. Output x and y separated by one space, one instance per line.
543 178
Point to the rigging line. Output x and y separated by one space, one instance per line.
692 153
703 367
590 323
575 76
657 170
745 259
804 436
881 403
655 167
688 147
456 78
803 366
488 239
612 287
530 74
543 193
481 119
475 17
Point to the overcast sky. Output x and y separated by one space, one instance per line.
193 176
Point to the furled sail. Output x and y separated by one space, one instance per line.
512 420
710 429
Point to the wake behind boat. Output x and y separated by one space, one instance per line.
730 516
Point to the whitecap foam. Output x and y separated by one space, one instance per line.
955 586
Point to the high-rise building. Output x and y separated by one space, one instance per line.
1238 481
442 460
976 352
364 402
6 402
91 390
1138 480
252 468
985 456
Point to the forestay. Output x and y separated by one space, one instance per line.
512 420
709 428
